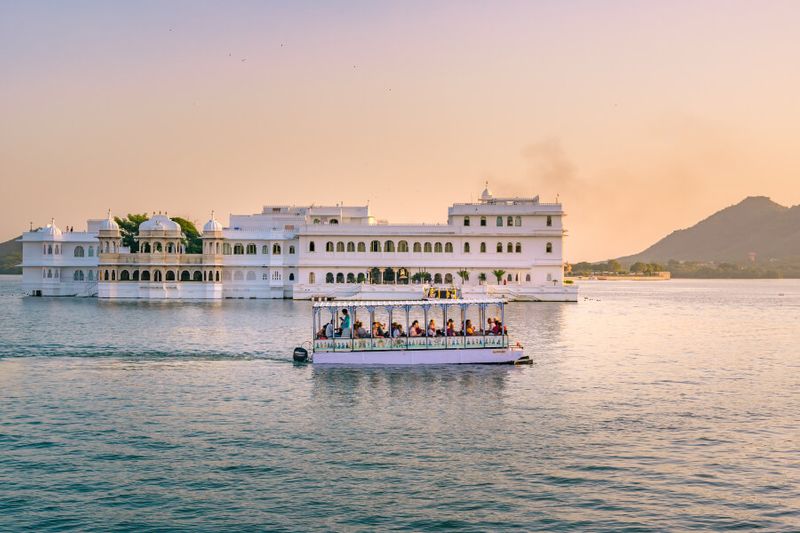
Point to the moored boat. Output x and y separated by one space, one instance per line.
339 336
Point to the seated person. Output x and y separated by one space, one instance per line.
489 326
451 328
469 328
397 330
431 328
415 330
329 330
360 331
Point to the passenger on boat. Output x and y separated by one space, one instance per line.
469 328
360 331
431 328
397 330
489 326
415 330
378 330
329 330
451 328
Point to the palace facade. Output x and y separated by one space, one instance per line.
508 247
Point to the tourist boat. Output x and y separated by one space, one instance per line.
344 348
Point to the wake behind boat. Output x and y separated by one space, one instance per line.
471 332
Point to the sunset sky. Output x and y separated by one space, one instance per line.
643 117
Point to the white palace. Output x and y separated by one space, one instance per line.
317 251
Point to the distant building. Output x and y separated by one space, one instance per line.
314 251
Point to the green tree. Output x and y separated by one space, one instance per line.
191 237
482 277
464 275
499 274
639 267
129 229
614 266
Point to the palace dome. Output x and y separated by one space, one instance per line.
159 223
109 224
51 230
212 226
486 194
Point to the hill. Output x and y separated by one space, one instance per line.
10 256
756 225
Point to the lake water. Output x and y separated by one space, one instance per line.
650 405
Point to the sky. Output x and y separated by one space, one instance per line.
641 117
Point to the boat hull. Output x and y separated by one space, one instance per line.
452 356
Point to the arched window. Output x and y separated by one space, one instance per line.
499 222
238 276
483 247
226 249
185 275
437 278
276 249
362 247
58 249
388 246
375 246
510 221
466 247
549 277
361 278
518 248
466 221
135 276
238 249
50 249
428 248
291 276
448 247
291 250
517 221
509 248
549 220
483 221
417 248
124 276
170 275
276 275
78 251
448 278
351 246
264 249
329 246
157 275
499 247
351 278
159 248
316 221
91 275
77 275
216 276
527 277
340 246
509 277
329 277
333 221
91 251
50 273
339 278
145 275
312 278
311 246
402 246
251 276
549 248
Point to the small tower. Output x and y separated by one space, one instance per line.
213 242
109 236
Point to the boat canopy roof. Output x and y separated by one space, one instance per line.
404 303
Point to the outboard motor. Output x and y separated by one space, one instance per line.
300 355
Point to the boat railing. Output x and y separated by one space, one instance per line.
346 344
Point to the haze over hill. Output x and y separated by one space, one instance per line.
10 256
754 225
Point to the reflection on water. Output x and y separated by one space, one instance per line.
649 406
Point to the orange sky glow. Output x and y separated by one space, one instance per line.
642 117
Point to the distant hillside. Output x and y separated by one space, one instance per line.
754 225
10 256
